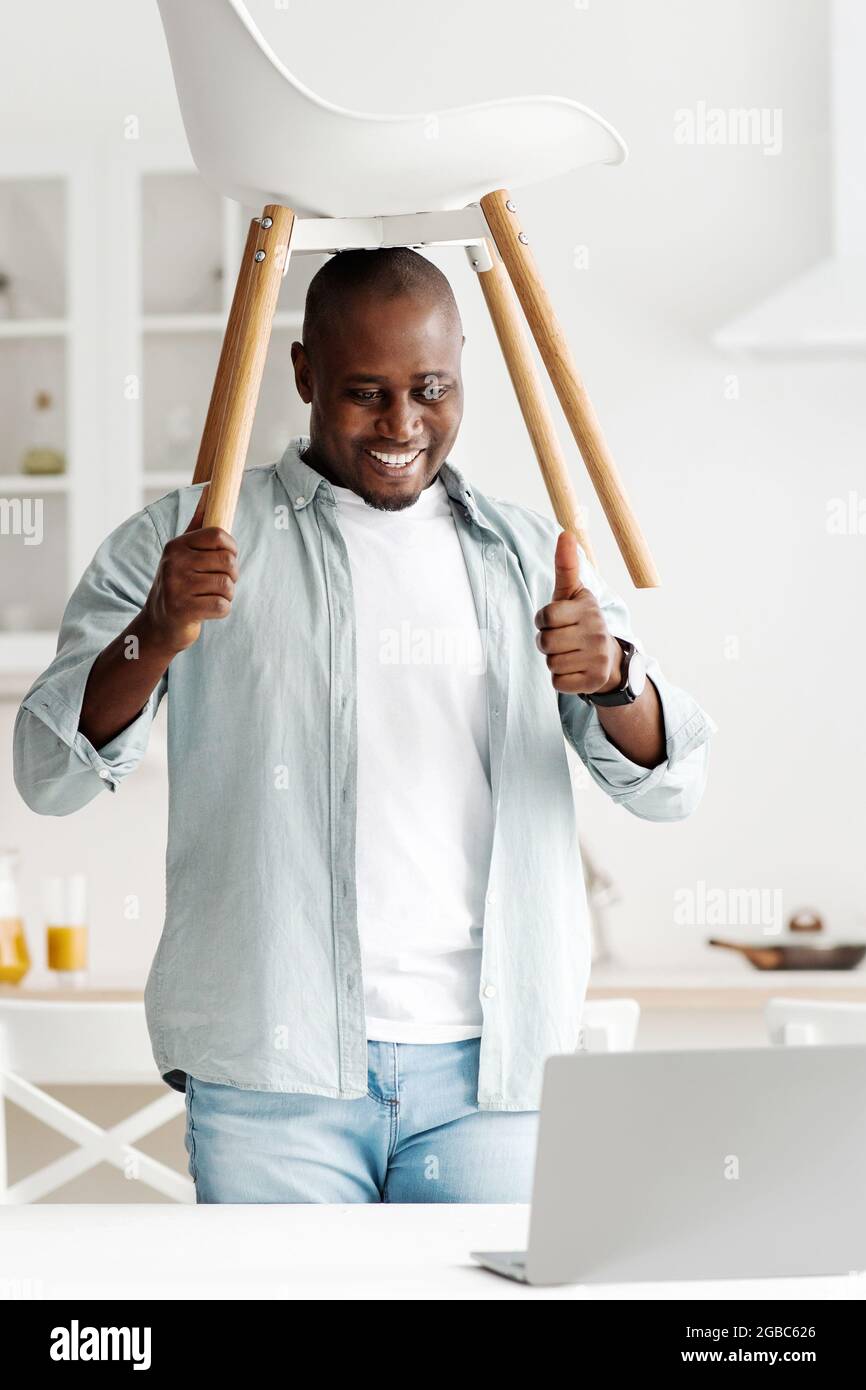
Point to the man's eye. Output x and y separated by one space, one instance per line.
427 393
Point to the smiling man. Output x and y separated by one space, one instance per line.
376 925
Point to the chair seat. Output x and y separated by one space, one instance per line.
259 136
432 162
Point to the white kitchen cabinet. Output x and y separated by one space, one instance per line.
123 266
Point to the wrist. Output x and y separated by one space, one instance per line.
615 680
154 636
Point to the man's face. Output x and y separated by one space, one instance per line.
388 384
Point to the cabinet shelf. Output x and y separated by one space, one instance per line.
33 482
34 328
209 323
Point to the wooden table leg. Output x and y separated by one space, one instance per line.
500 213
511 332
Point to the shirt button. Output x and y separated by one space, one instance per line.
489 991
491 896
490 552
299 501
105 775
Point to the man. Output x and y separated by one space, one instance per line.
376 926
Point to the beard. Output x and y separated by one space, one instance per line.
388 503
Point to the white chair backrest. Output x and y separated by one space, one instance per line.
259 135
90 1043
799 1022
608 1025
245 114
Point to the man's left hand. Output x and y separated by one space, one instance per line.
582 656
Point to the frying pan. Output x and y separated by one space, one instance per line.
797 957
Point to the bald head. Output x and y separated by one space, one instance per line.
377 275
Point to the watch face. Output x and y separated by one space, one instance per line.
637 673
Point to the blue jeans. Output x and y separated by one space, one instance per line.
417 1136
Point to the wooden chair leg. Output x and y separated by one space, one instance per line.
225 440
500 213
511 332
228 356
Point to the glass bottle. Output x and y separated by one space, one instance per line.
42 456
14 955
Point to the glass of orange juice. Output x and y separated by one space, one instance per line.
14 955
66 927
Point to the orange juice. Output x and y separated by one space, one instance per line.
14 955
66 927
66 947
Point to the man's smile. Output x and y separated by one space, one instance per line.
393 465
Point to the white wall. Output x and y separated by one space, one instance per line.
731 493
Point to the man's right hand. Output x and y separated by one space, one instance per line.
195 581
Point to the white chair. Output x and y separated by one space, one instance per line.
331 178
608 1025
802 1022
43 1043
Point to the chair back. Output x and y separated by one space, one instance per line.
608 1025
259 135
250 123
807 1021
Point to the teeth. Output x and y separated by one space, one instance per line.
394 460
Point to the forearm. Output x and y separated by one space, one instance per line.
638 729
122 679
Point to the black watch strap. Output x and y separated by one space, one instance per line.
623 695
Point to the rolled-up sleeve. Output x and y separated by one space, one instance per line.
672 789
56 769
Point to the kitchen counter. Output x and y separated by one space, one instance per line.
82 1251
726 987
721 1005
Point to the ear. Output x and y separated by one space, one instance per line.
301 364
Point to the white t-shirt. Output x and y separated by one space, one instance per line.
425 818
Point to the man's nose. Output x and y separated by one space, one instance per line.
402 421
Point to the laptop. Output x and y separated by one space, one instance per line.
719 1164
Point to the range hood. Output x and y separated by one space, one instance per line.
823 312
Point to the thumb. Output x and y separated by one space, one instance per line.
197 517
567 562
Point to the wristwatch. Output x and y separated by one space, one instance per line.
632 683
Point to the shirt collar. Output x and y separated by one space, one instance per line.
303 482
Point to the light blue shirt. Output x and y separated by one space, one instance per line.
257 979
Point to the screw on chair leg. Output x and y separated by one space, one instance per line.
512 244
235 394
511 333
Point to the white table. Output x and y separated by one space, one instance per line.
359 1251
